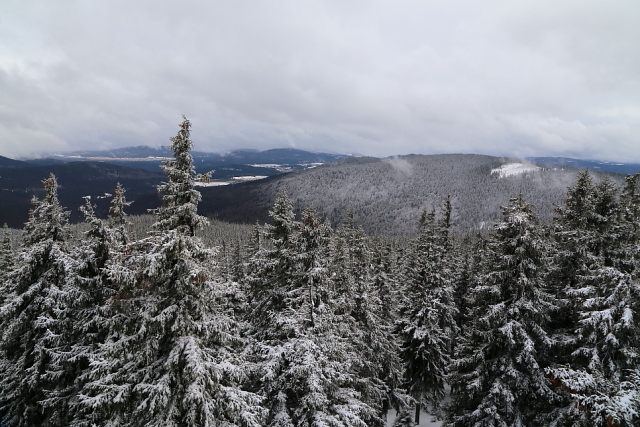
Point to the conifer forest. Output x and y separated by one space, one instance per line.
177 320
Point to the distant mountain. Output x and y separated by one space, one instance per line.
288 156
136 168
593 165
385 195
76 180
388 195
138 152
241 162
7 162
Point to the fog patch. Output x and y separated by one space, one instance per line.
400 165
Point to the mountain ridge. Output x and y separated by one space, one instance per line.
386 195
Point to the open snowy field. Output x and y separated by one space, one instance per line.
426 420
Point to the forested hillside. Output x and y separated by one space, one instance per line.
19 184
297 322
386 195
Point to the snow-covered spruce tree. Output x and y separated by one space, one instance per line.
273 270
427 326
606 217
30 318
307 369
576 238
602 376
171 357
89 314
118 223
385 281
466 277
6 254
601 368
574 255
366 323
498 378
628 226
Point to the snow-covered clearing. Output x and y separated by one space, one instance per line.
249 178
231 181
266 165
512 169
426 420
210 184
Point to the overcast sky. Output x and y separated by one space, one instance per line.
371 77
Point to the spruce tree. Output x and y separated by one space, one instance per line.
171 357
598 367
6 253
498 378
428 325
118 223
573 258
628 225
32 313
308 370
90 289
273 279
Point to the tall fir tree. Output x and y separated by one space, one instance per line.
599 359
90 289
308 370
118 223
428 324
274 268
6 261
572 258
32 313
628 225
6 253
171 357
498 377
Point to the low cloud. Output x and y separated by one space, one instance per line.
375 78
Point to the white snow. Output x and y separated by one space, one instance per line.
426 420
249 178
266 165
230 181
211 184
512 169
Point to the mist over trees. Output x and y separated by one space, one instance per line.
386 196
172 319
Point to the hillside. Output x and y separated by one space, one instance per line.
77 179
592 165
95 173
387 195
224 165
7 162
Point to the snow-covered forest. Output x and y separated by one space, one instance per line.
299 323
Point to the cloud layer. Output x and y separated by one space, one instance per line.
358 76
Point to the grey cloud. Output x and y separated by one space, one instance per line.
368 77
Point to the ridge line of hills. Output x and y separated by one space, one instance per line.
385 195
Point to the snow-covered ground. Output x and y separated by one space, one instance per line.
248 178
231 181
426 420
211 184
511 169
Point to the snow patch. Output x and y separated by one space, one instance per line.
248 178
211 184
231 180
426 420
513 169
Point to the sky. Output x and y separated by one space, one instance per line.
368 77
